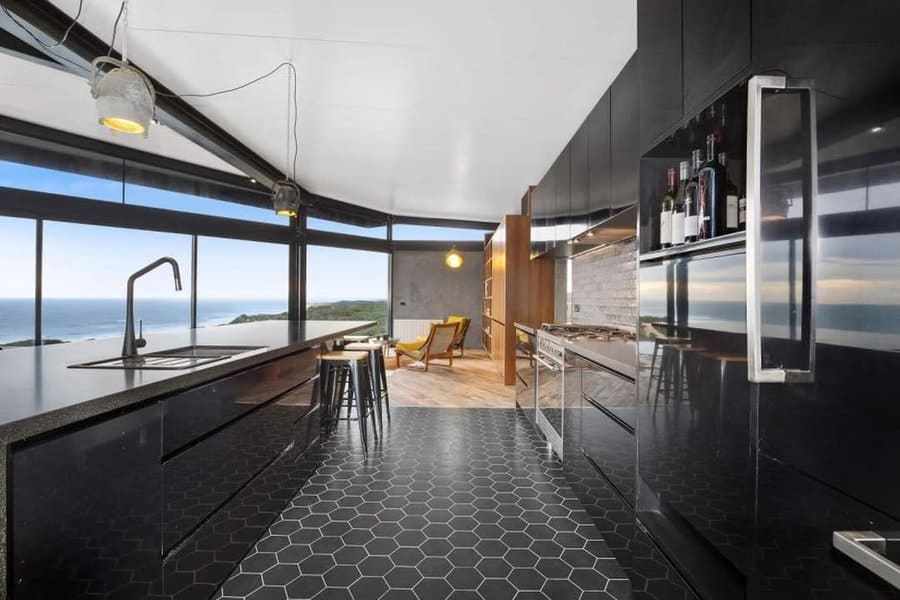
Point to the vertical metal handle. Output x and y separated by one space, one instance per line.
756 373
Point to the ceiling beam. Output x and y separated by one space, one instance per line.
48 23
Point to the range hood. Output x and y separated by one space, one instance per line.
621 226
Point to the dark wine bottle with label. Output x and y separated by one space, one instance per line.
711 193
732 199
678 212
692 200
667 206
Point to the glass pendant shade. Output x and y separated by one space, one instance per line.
125 97
286 198
454 259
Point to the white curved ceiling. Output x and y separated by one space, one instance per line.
432 108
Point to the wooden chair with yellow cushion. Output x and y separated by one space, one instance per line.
460 341
437 344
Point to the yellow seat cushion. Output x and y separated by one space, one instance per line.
456 319
412 346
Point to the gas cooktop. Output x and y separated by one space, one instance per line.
574 333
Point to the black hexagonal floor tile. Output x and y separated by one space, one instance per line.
451 504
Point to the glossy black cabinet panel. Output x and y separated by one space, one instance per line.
562 179
579 184
543 207
613 392
610 448
659 40
795 558
598 155
199 565
696 435
572 410
624 135
199 480
652 575
86 511
716 38
196 412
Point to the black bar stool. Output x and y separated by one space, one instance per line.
346 383
378 375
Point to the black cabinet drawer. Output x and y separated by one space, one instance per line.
614 393
199 480
196 412
610 448
199 565
85 513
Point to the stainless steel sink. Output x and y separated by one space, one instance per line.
184 357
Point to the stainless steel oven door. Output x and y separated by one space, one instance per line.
550 377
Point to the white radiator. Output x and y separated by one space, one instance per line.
409 329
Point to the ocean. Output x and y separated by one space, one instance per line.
72 319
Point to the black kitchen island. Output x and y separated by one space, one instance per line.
152 483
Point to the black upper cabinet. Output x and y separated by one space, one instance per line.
543 205
579 196
598 156
563 191
716 53
625 147
659 38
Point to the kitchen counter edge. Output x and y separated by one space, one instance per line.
42 423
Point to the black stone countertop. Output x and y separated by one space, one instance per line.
40 393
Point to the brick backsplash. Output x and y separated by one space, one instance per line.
604 286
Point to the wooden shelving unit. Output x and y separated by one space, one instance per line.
515 288
486 295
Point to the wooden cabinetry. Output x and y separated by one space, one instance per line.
521 290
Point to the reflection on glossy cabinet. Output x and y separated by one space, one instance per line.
86 508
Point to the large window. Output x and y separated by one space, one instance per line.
16 281
240 281
347 285
40 179
86 268
379 232
428 232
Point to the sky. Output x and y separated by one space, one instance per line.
87 261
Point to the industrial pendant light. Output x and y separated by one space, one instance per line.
454 259
286 198
286 193
125 97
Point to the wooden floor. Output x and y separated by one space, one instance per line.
472 382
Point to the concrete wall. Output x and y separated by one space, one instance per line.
604 286
424 288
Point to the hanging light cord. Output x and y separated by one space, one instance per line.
292 76
292 90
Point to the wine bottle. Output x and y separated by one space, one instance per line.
678 210
711 193
691 200
732 203
665 210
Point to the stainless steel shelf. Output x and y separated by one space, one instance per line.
722 242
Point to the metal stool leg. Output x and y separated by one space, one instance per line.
382 375
359 398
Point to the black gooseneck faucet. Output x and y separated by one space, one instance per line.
131 344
